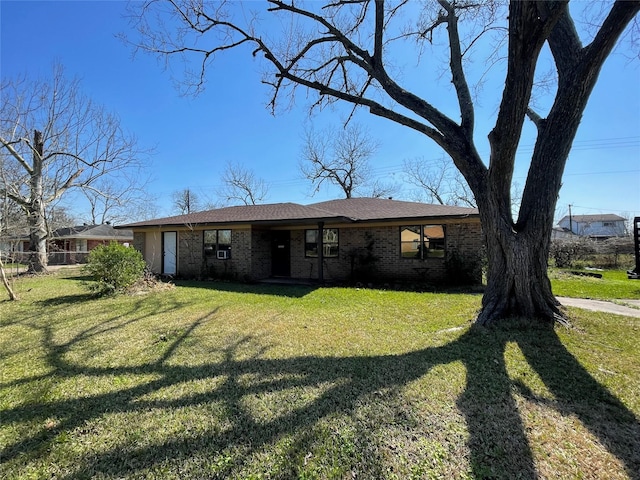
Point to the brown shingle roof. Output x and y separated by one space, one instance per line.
386 209
268 213
344 210
94 232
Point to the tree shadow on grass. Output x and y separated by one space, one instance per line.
280 290
497 440
66 300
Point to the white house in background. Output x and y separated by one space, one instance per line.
599 227
559 233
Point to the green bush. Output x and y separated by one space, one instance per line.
463 270
567 252
114 268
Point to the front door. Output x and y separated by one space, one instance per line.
280 253
169 243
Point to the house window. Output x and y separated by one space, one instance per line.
607 224
216 241
81 245
422 241
329 242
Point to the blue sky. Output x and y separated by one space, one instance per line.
194 137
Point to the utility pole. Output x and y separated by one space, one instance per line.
570 220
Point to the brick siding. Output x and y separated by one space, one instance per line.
385 261
190 254
138 241
251 254
260 254
192 261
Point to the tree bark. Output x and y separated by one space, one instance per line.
517 282
36 212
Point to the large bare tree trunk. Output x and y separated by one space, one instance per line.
36 211
518 286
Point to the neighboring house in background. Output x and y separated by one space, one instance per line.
598 227
70 245
559 233
364 238
10 245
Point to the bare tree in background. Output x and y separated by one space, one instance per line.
118 200
346 51
55 140
341 157
186 201
377 188
241 186
58 216
438 181
13 222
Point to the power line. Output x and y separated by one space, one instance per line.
376 172
608 210
603 173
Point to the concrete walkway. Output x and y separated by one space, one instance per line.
629 308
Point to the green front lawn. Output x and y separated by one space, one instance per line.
218 380
614 284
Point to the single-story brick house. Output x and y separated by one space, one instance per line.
68 245
371 237
71 245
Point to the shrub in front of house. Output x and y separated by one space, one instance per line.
463 270
567 252
114 268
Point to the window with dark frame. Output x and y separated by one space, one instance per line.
329 243
422 241
216 241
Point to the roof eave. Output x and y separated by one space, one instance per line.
264 223
305 221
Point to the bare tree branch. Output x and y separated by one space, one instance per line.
240 185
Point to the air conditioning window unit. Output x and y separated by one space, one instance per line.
222 254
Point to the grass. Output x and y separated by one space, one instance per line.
14 268
614 284
218 380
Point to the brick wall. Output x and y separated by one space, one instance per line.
465 239
260 254
302 267
251 254
192 261
190 255
241 253
382 260
138 241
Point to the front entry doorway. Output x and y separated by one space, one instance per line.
281 253
169 250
